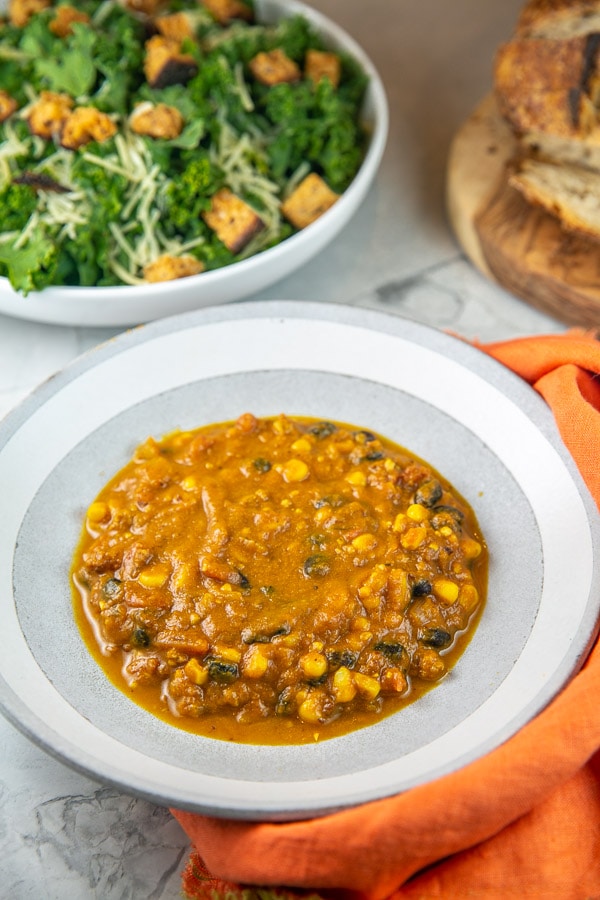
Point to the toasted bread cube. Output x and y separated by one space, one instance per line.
64 19
160 121
85 124
8 105
48 115
319 65
169 268
176 26
226 10
165 64
310 200
274 67
20 11
233 221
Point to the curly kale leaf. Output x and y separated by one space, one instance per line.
17 202
189 196
31 267
314 125
295 36
72 70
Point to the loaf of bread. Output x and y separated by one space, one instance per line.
547 86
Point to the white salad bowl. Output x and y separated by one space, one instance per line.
131 305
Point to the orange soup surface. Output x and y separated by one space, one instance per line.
278 580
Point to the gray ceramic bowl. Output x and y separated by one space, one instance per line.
472 419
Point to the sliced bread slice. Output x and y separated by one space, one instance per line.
569 193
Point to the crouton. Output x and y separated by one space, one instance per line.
233 221
274 67
226 10
310 200
65 17
8 105
319 65
165 64
169 268
176 26
85 124
20 11
47 116
160 121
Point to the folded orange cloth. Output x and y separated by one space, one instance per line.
523 821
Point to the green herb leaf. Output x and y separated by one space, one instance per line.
74 71
31 267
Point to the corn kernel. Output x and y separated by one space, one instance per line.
189 483
194 618
389 465
364 542
344 689
302 445
417 513
365 685
356 477
231 654
413 538
399 522
446 591
445 530
255 663
310 710
98 512
154 576
468 597
196 673
295 470
313 664
470 548
360 623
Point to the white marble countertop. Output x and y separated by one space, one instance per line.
63 836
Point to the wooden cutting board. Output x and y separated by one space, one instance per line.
520 247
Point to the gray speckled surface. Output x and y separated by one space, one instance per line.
62 836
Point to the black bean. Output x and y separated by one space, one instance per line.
367 436
337 658
223 672
391 649
318 565
322 429
285 705
375 454
140 638
263 637
421 588
429 493
436 637
261 465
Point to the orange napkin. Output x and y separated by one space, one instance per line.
523 822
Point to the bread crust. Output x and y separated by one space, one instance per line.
558 18
543 85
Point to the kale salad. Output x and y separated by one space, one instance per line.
143 141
